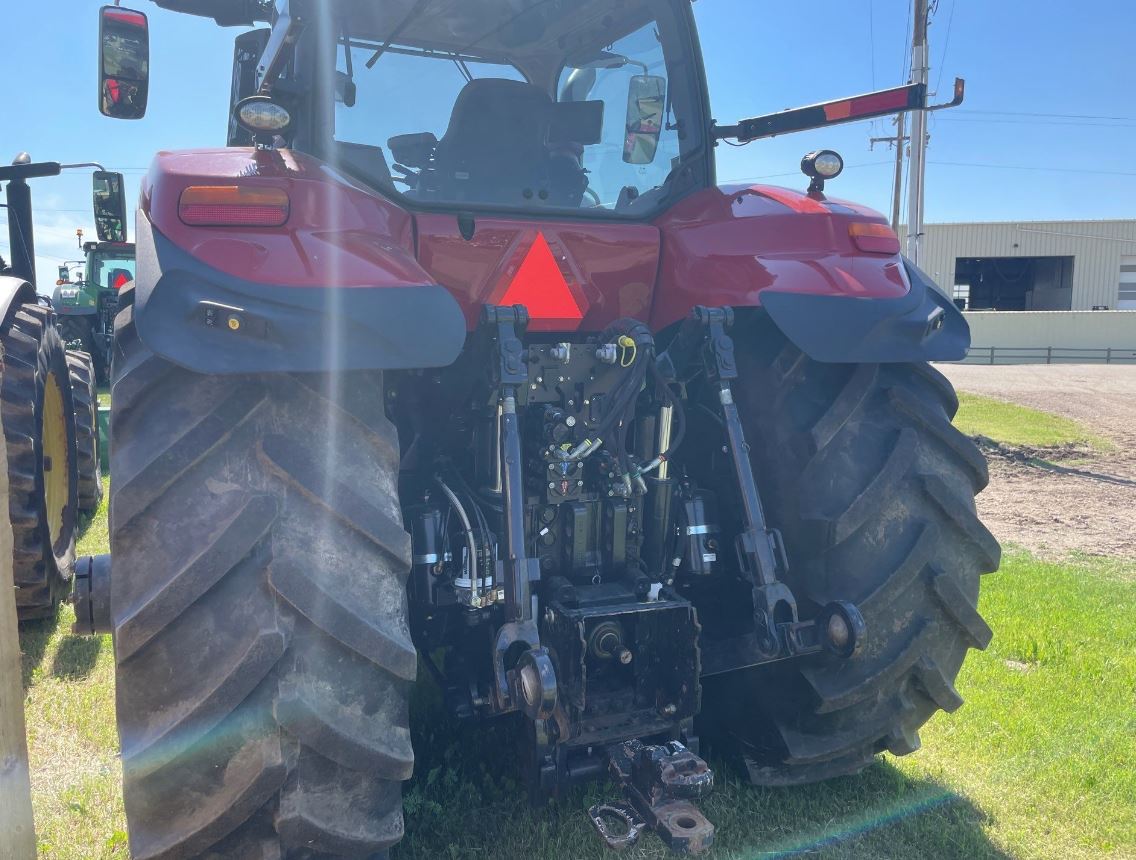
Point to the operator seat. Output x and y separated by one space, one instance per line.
494 149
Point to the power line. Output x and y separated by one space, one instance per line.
1052 115
1031 167
904 73
946 44
872 41
1026 121
872 36
49 209
798 173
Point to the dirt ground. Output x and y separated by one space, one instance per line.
1063 502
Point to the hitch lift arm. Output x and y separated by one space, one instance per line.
531 685
778 631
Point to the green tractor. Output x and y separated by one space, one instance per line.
48 393
86 294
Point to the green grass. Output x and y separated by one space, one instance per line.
1019 425
1040 762
72 741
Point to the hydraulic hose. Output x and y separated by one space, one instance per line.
474 595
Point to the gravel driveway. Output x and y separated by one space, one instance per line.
1067 506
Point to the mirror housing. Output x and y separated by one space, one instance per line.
124 63
646 106
108 197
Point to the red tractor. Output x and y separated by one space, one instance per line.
457 357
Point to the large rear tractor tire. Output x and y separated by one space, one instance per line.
264 660
39 432
873 490
83 391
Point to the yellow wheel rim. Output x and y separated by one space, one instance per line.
56 464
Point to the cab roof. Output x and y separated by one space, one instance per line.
495 29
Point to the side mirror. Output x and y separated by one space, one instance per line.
646 105
124 63
64 276
109 201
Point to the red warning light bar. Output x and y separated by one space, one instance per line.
867 106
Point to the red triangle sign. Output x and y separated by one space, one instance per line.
540 286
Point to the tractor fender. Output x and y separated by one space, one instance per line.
214 322
14 291
923 325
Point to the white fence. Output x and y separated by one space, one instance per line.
1052 337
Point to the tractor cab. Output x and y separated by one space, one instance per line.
110 265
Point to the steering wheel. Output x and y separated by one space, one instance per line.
596 202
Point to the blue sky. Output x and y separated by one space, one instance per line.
1047 130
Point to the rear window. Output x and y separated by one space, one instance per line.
441 127
109 272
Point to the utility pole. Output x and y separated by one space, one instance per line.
897 141
915 183
897 192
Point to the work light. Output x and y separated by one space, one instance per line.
822 164
261 115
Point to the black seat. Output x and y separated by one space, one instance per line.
494 148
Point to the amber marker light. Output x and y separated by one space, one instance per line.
873 238
233 206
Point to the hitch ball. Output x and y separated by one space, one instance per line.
90 596
842 629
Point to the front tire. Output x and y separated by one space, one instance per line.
39 432
264 660
82 373
873 490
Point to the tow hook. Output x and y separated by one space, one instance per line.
660 785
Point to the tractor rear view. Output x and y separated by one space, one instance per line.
86 305
457 356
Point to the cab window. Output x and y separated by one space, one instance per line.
639 145
521 127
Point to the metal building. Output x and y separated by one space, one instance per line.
1035 265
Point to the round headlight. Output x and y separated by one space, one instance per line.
261 115
822 164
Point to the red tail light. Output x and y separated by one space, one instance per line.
873 238
233 206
